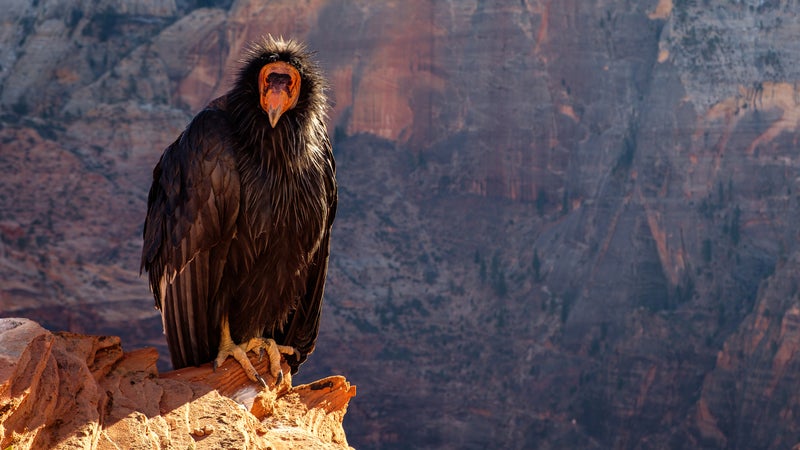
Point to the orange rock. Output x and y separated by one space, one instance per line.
65 390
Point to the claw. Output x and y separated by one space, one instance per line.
214 365
261 353
261 381
279 378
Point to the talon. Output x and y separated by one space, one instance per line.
261 353
214 365
261 381
279 378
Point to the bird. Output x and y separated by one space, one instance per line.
236 239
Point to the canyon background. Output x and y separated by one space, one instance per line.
562 224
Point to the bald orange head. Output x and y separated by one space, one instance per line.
279 85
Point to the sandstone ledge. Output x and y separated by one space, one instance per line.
70 391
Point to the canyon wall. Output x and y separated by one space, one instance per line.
561 224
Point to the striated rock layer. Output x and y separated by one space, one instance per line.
71 391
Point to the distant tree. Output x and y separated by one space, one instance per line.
564 312
706 251
537 266
594 347
481 266
430 276
734 226
497 275
541 201
20 107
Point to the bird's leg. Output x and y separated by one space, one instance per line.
239 352
273 351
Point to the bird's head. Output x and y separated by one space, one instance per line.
279 76
279 88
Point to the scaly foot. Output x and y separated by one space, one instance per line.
273 351
239 352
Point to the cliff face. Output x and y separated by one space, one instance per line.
70 391
588 209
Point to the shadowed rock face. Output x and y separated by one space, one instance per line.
588 210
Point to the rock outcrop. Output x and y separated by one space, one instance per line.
70 391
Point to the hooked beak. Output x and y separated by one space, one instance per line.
275 104
279 85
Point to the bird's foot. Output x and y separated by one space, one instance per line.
239 353
263 346
273 351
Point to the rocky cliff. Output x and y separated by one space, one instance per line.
587 208
71 391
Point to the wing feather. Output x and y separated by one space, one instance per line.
303 323
191 217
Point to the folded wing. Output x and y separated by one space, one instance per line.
191 218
